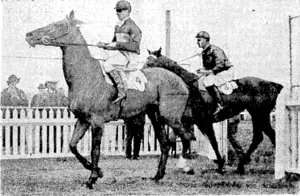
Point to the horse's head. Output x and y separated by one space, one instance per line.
53 34
153 59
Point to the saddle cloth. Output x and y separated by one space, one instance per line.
226 88
132 79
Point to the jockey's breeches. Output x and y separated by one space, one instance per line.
219 78
122 61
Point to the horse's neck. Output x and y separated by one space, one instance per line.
77 60
169 64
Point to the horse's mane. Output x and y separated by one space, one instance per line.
174 67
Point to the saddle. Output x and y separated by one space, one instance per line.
225 88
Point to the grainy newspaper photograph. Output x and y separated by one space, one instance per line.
150 97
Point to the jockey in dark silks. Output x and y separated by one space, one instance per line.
217 69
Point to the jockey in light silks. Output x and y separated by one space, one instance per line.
217 69
126 43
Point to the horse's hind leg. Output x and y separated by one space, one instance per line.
268 130
161 135
232 129
257 121
80 129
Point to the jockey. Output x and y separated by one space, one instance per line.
126 44
217 69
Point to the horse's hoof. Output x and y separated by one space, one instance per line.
190 172
156 178
99 172
241 172
241 169
220 171
89 185
245 160
220 162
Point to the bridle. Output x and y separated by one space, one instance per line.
47 40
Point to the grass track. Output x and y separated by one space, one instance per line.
64 176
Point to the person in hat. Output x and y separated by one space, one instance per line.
51 93
217 69
63 100
126 47
39 99
12 96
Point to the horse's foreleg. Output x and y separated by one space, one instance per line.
95 154
80 129
207 129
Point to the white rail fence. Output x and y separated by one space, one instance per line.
45 132
287 158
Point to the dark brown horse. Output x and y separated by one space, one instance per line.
164 99
255 95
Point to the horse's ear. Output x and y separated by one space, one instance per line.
71 17
159 51
148 51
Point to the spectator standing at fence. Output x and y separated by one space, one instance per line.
39 99
134 135
62 99
52 98
13 96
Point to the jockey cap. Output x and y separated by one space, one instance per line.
203 34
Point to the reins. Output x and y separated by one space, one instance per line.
190 57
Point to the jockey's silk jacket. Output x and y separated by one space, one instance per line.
128 36
215 59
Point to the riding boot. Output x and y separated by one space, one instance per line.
215 93
120 85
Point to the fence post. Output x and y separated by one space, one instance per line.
280 126
29 132
22 133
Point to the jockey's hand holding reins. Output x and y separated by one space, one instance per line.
107 46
